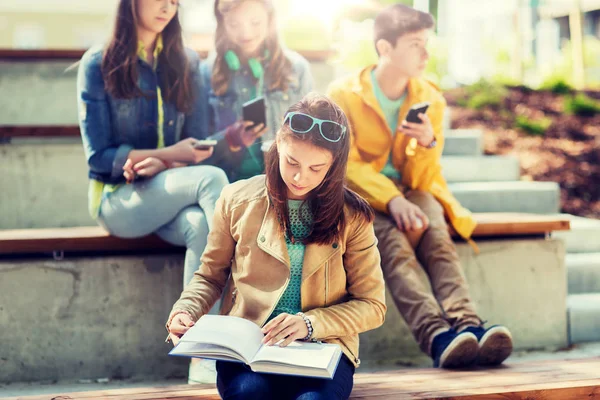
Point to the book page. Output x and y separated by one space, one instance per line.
303 354
193 349
240 335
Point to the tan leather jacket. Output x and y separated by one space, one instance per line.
343 291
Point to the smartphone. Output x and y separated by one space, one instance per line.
205 144
415 110
255 111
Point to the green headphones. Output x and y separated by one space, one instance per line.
234 64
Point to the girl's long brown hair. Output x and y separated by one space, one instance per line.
277 66
328 199
120 60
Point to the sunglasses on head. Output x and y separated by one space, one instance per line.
303 123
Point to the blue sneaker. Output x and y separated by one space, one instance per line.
454 350
495 344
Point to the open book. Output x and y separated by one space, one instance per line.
228 338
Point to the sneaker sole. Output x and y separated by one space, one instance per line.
495 346
461 352
202 371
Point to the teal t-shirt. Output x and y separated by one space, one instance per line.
390 109
300 225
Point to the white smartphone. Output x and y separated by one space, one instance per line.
205 144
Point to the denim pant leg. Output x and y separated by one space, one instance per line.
141 208
237 381
338 388
190 229
177 204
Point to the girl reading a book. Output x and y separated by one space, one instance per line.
249 62
302 255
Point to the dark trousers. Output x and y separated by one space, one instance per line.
237 381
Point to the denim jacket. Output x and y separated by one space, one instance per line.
226 109
111 127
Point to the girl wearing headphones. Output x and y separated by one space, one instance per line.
249 62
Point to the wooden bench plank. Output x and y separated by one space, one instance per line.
36 55
89 238
554 380
94 238
20 131
510 224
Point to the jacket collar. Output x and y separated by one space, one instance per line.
272 241
363 87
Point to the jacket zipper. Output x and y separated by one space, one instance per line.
287 281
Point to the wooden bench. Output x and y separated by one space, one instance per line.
548 380
96 239
134 283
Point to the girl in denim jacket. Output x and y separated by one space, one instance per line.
140 114
249 62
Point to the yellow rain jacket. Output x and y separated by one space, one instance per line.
372 141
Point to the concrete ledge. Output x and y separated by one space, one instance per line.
584 317
48 185
517 283
519 196
85 318
463 142
583 272
480 168
583 236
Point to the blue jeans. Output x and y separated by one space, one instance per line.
237 381
177 204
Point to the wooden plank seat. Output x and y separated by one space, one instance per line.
548 380
94 238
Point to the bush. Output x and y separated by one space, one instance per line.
533 127
485 94
583 106
556 85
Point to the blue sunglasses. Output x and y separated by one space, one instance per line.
303 123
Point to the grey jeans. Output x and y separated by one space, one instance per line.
177 204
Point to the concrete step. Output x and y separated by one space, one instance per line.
584 236
583 271
584 317
519 196
463 142
481 169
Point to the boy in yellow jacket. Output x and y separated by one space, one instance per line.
395 165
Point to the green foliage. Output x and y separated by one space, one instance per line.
582 105
532 127
562 70
557 85
484 94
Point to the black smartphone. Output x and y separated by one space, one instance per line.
415 110
255 111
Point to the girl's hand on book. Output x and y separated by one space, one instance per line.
179 325
284 326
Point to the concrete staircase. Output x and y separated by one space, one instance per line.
491 183
583 268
